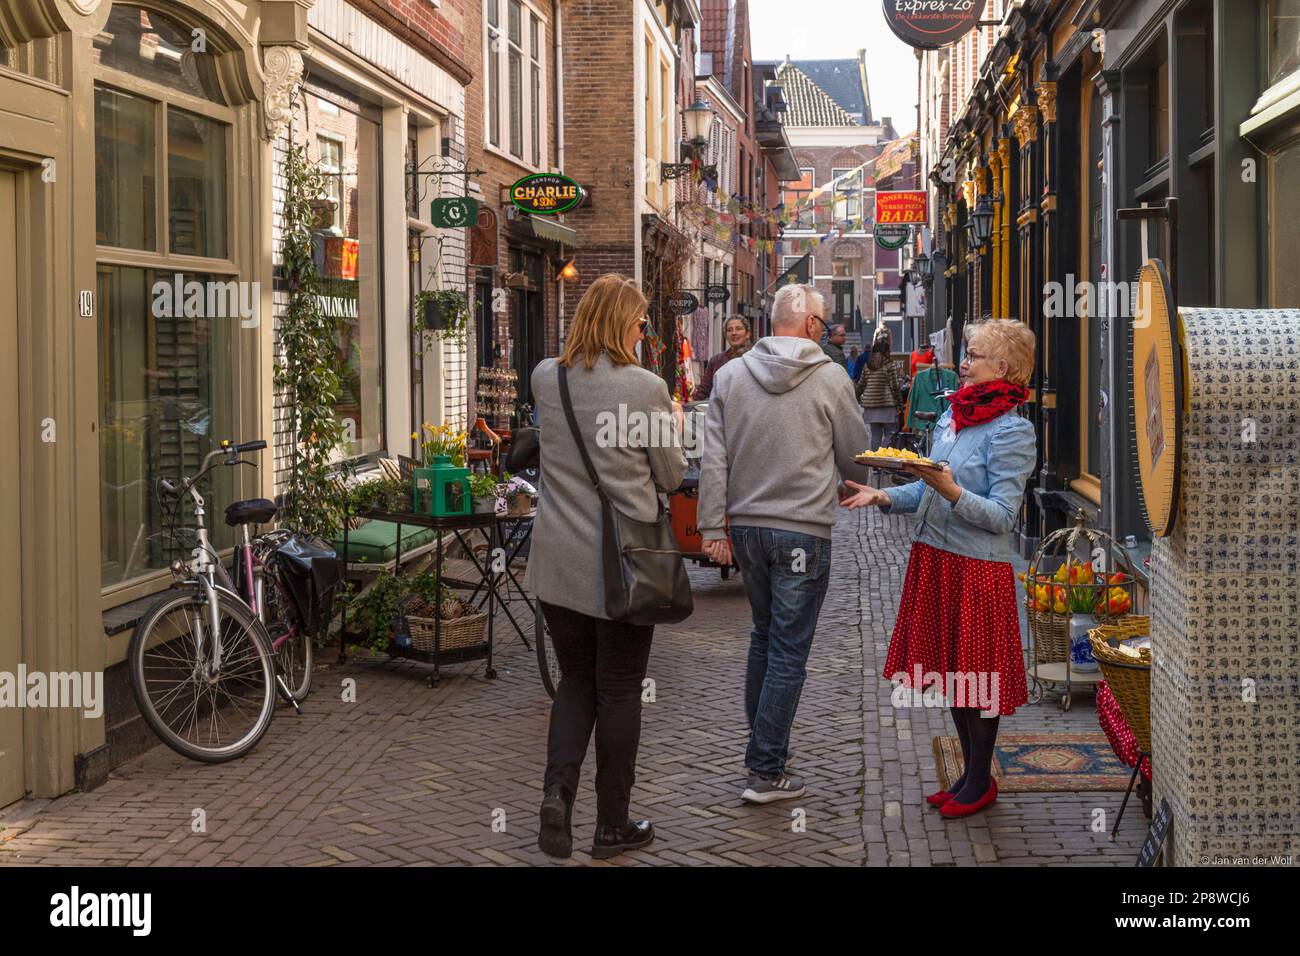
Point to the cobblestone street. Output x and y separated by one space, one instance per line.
409 775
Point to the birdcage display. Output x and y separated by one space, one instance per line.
1078 578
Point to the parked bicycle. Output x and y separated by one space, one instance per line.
207 660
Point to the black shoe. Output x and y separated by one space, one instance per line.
555 833
613 840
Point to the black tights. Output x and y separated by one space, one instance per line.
978 735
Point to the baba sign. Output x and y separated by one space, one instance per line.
931 24
545 194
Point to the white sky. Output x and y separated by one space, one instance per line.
837 29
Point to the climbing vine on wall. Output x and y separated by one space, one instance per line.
309 375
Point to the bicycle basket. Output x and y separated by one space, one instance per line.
310 572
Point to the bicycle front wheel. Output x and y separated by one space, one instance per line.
547 663
206 714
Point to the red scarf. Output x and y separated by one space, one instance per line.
977 404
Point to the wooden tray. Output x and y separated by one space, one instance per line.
895 464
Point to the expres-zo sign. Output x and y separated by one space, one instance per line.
931 24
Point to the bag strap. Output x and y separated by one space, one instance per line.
567 402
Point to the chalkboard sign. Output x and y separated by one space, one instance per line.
1156 835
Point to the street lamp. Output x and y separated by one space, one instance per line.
922 267
699 121
982 221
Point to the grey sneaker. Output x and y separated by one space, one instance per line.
762 790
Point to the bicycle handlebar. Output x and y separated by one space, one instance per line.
228 448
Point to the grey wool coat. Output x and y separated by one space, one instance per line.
625 416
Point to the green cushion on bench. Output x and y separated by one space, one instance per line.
375 542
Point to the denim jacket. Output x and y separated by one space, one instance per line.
991 463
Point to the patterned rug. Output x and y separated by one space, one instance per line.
1042 763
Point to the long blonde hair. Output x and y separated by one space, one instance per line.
600 322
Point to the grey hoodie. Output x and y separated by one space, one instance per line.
781 420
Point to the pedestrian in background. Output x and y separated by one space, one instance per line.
781 421
880 393
958 615
738 336
602 663
834 345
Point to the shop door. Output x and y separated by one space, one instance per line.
527 321
842 304
11 718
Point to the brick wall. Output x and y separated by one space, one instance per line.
600 133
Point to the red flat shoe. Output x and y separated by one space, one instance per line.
954 809
939 798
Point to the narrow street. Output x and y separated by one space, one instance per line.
409 775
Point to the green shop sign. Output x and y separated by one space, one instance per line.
545 194
458 212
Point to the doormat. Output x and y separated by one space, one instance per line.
1042 763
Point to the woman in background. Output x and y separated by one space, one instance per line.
736 331
880 393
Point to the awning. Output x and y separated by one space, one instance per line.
552 231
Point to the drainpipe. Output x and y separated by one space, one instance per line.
557 59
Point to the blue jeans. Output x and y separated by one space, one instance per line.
786 575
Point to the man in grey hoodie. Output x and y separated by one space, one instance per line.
781 420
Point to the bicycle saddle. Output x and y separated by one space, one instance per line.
252 511
925 416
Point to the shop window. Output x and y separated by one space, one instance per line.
164 376
535 87
347 260
150 46
125 170
196 185
848 195
514 59
492 88
1283 39
799 192
330 162
167 336
1284 227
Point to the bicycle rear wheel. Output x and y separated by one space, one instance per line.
210 718
294 653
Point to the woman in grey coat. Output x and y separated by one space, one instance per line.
632 430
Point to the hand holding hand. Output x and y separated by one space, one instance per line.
940 480
718 551
866 496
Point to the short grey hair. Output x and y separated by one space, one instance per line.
793 303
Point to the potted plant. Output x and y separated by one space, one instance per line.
521 497
442 484
377 612
483 489
441 314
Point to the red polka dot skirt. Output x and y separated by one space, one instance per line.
958 624
1117 729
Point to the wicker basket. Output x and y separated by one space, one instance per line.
1129 678
457 633
1051 635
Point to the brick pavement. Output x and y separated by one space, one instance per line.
412 775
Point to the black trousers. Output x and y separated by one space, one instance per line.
602 665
